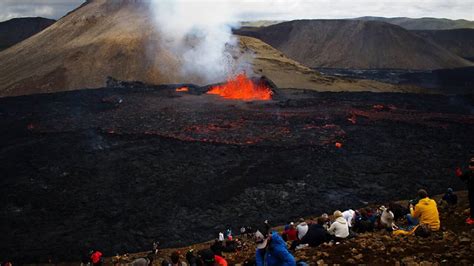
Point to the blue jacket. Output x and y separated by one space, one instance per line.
276 254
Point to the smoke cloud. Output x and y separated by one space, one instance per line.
199 33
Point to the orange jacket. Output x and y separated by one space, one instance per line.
426 212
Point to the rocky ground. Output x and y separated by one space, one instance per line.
453 244
117 168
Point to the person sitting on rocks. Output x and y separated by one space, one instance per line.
387 219
191 258
156 247
398 210
143 261
468 177
348 216
228 234
301 229
425 212
339 228
217 247
450 198
96 258
208 258
290 234
362 222
272 250
176 259
317 234
242 231
327 221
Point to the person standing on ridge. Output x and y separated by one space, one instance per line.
468 177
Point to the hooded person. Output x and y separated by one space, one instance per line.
468 177
272 250
425 211
339 228
450 198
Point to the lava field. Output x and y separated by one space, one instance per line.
118 167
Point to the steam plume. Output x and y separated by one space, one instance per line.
199 34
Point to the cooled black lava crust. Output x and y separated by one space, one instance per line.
117 168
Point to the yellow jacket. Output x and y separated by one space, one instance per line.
426 212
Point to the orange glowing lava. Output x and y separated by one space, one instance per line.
182 89
338 145
242 88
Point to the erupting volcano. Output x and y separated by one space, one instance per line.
242 88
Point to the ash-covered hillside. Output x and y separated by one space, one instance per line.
355 44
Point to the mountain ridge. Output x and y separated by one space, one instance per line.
355 44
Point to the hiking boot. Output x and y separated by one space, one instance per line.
470 221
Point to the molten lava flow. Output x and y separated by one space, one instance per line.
182 89
242 88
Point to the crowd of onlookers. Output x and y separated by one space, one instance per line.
420 217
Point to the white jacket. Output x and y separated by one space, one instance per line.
339 228
302 229
348 216
386 219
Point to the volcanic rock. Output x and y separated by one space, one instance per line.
163 163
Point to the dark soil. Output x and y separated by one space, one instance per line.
117 168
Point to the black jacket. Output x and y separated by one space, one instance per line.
468 177
316 235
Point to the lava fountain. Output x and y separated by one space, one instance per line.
243 88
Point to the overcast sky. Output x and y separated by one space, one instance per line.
278 9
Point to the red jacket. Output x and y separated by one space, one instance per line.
96 256
292 234
220 260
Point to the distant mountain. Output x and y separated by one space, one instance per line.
355 44
424 23
18 29
457 41
117 38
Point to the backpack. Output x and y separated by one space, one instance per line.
422 230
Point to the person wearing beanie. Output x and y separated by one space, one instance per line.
468 177
339 228
450 198
425 212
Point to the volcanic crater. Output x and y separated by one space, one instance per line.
118 167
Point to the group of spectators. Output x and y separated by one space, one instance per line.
422 217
